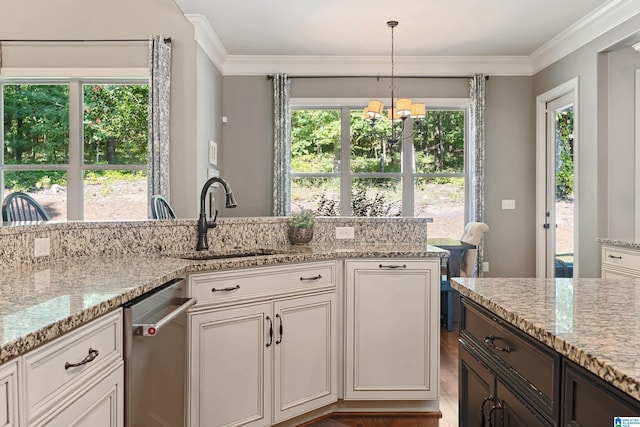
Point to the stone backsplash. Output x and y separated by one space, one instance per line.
94 239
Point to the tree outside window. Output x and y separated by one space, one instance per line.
100 165
374 179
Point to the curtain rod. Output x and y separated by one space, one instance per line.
166 39
270 76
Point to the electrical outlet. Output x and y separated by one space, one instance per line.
345 233
485 266
42 247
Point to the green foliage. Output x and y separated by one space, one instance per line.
36 123
564 150
304 218
33 180
115 124
327 206
364 205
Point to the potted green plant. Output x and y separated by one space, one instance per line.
301 225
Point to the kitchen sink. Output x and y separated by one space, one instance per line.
240 253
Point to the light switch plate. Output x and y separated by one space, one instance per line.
508 204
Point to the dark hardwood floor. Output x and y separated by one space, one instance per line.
448 397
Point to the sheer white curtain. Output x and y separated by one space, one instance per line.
282 145
476 158
159 115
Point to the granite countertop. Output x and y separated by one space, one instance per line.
629 244
44 301
593 322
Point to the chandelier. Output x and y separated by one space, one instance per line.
398 113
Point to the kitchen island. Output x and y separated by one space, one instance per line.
570 325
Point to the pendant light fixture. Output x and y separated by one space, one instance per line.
398 112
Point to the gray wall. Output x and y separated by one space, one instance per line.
208 123
597 151
247 157
620 118
510 174
124 19
510 148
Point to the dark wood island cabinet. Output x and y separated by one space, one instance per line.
508 378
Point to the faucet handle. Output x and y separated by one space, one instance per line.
215 215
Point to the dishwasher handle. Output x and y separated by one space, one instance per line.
151 329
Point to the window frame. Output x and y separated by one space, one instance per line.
408 174
76 167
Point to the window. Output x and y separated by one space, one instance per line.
360 173
78 146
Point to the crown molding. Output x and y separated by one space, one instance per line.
376 65
603 19
208 40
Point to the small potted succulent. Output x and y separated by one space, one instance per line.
301 225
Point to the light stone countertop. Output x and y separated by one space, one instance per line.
43 301
628 244
593 322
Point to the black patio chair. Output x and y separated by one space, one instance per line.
20 206
160 208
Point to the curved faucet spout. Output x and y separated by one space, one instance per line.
203 224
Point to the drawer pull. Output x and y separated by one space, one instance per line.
90 358
281 329
303 279
614 257
270 332
229 289
489 342
392 266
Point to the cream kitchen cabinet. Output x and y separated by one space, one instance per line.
256 363
392 329
78 379
9 412
620 262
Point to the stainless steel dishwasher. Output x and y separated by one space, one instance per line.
155 345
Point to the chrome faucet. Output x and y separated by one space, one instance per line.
203 224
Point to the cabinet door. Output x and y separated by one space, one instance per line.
512 411
230 367
476 388
392 329
305 355
99 405
9 394
589 401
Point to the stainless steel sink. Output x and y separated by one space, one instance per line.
240 253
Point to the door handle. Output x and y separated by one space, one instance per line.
270 332
151 329
281 329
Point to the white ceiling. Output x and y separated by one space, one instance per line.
434 37
358 27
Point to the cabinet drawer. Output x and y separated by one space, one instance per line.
235 285
535 366
49 379
620 257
